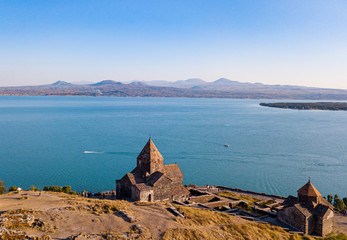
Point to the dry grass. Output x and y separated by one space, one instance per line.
265 203
202 217
245 231
98 206
339 236
206 224
20 211
21 236
241 231
236 196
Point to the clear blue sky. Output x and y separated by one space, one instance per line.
274 42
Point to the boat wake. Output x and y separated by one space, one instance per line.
116 153
92 152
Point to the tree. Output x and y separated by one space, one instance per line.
33 188
13 188
67 189
2 187
336 198
340 205
330 198
345 200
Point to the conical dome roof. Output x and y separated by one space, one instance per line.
150 152
309 190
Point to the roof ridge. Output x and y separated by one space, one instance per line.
149 151
309 190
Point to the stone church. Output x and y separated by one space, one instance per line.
309 213
151 180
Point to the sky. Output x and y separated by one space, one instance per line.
291 42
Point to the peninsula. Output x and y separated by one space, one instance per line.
334 106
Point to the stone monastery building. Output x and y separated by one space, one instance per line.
309 213
151 180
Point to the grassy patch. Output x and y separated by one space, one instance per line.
265 203
339 236
241 231
202 217
97 206
20 211
236 196
230 231
146 203
183 234
206 224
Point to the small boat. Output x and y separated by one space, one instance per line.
226 145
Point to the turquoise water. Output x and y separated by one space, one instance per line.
43 142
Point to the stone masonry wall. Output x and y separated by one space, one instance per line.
291 216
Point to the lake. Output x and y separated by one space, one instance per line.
89 142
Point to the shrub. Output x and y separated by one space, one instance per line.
2 187
65 189
340 205
33 188
13 188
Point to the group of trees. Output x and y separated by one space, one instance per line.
15 188
340 204
3 189
65 189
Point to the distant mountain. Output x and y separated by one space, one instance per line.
138 83
223 81
106 82
193 88
197 83
192 82
189 83
61 83
83 83
224 84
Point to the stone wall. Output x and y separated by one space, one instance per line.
135 193
324 225
293 217
123 188
146 195
163 192
201 199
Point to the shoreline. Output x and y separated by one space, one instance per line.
325 106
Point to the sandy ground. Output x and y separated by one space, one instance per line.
66 217
340 223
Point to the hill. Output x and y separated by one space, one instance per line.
47 215
191 88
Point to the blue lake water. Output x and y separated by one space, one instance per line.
43 142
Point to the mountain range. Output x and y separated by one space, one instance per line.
195 88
